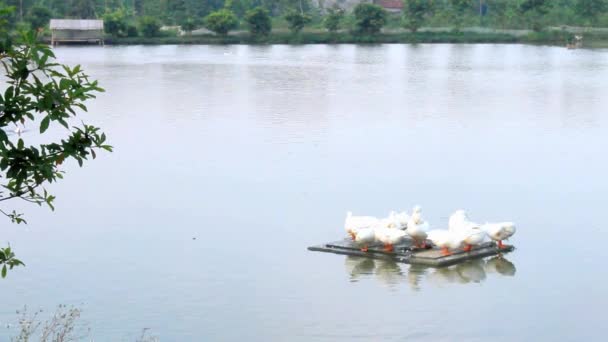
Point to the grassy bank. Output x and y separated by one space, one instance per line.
553 37
325 38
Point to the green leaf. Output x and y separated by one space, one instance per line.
4 271
44 125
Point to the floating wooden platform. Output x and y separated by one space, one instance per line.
406 253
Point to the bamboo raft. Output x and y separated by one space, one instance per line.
406 253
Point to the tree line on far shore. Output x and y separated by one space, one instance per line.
132 18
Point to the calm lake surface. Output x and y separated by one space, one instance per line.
258 152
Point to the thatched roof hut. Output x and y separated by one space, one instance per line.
76 31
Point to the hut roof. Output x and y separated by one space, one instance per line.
76 24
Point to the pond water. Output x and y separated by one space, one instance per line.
230 160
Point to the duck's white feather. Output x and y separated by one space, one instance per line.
354 223
471 232
445 238
365 236
389 236
499 231
417 228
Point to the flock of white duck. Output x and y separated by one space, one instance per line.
392 230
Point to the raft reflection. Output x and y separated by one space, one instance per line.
392 274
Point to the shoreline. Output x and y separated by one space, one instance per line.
553 38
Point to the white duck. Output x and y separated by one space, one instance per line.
446 240
401 219
354 223
499 231
389 237
417 228
390 221
471 232
459 220
364 237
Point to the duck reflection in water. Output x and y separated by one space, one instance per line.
415 275
391 274
358 266
499 264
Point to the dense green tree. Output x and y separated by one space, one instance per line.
221 21
540 6
369 18
333 19
138 7
239 7
115 23
58 7
415 12
82 9
21 9
175 11
504 13
259 21
149 26
534 10
39 92
188 25
39 16
132 30
591 9
296 20
458 10
6 13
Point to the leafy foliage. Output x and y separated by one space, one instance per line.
507 14
534 10
333 19
296 20
369 18
415 12
40 92
259 21
540 6
115 23
82 9
590 8
39 16
221 22
459 8
149 26
189 25
7 259
132 30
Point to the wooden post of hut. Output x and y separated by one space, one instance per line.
76 31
